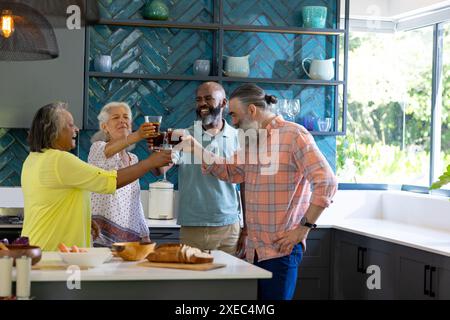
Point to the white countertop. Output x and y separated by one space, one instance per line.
119 270
431 240
414 220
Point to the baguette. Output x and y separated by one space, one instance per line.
179 253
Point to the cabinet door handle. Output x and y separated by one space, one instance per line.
432 294
363 256
358 268
360 261
425 272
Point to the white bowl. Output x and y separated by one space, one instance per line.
92 258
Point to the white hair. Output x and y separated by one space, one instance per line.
103 117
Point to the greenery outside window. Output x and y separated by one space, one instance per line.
389 109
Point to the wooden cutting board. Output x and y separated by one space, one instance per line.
185 266
54 267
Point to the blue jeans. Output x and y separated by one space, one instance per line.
284 276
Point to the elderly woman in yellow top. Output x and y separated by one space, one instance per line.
56 184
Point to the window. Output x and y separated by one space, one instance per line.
445 114
389 109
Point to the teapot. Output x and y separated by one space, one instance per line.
319 69
237 66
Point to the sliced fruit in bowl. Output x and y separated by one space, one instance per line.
89 257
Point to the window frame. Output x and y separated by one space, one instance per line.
436 122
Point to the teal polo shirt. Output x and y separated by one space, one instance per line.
203 199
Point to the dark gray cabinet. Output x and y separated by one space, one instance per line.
415 279
405 272
354 254
423 275
165 235
348 281
443 281
313 280
380 256
10 233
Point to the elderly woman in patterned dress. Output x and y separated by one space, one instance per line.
119 216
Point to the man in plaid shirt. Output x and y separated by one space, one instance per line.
283 196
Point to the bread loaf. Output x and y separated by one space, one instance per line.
179 253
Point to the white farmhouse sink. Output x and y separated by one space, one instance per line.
406 208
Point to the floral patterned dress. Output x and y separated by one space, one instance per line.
120 216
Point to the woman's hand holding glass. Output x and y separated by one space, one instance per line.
146 130
161 158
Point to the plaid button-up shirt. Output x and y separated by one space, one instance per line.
276 199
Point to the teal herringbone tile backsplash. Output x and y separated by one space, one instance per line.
173 51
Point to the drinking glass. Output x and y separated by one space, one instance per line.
156 122
282 107
166 146
293 108
174 136
324 124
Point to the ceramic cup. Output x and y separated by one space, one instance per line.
314 16
201 67
103 63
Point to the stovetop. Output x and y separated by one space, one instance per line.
11 216
15 220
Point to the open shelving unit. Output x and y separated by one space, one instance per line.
218 29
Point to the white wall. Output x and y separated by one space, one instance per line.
25 86
367 8
399 8
390 9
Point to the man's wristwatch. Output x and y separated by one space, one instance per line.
304 222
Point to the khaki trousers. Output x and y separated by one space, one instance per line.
223 238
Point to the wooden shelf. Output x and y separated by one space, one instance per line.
151 76
217 26
294 30
159 24
211 78
284 81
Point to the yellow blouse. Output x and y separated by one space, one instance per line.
56 186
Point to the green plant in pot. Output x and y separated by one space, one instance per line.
443 179
155 10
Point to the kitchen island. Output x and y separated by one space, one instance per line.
118 279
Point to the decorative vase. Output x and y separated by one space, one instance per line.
201 67
156 10
314 16
103 63
237 66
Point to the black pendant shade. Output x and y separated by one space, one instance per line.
56 10
32 38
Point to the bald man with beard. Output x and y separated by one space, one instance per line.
209 209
